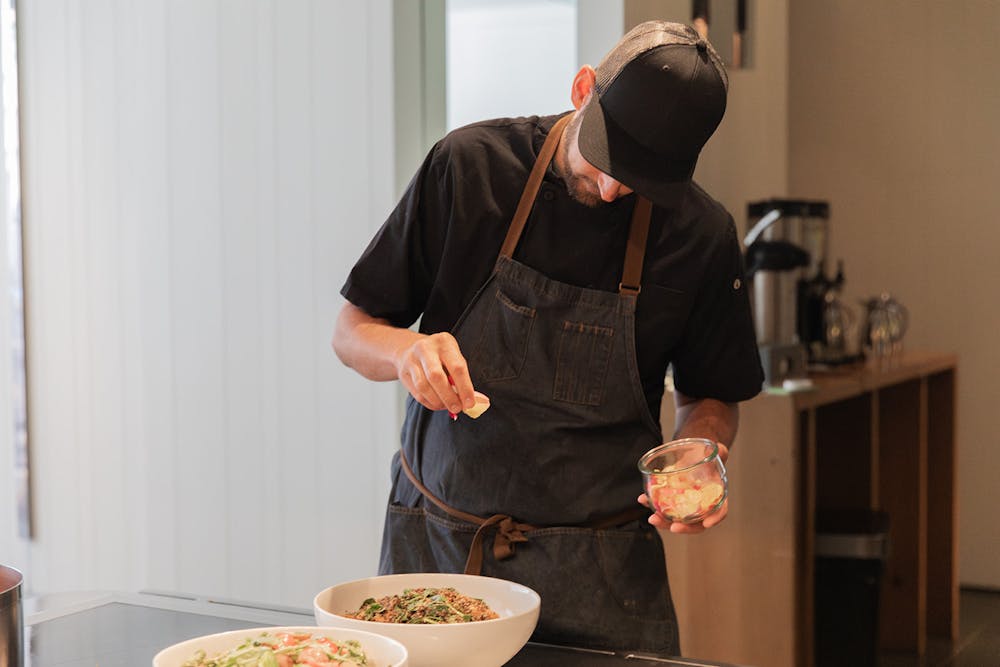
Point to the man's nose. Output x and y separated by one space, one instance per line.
610 189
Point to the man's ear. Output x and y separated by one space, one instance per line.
583 83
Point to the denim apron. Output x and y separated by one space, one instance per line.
541 488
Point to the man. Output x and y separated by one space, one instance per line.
544 278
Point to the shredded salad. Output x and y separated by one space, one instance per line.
424 605
285 650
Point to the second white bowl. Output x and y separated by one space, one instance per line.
380 651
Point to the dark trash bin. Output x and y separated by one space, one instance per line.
851 550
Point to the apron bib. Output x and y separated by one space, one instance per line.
541 489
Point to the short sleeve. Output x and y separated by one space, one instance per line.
394 276
717 356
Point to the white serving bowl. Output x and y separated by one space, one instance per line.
474 644
380 651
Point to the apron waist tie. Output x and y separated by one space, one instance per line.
509 532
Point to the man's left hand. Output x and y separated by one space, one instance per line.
713 519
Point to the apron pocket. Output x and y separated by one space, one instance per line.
503 343
582 363
416 540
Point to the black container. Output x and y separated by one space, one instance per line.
851 550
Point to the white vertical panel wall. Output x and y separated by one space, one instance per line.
199 175
9 551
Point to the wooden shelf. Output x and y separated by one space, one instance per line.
878 436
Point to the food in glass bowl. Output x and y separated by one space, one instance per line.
685 480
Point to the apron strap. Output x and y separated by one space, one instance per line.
531 188
635 250
509 531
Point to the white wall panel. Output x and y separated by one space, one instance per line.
11 340
196 298
146 287
8 500
51 275
296 408
99 387
199 177
141 216
241 245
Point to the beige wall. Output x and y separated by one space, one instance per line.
746 159
889 111
893 110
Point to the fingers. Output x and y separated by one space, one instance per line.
416 383
713 519
461 383
643 500
717 517
654 518
439 384
424 370
686 528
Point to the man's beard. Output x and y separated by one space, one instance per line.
575 185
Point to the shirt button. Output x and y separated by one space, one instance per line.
548 195
737 283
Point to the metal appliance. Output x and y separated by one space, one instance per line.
799 318
11 618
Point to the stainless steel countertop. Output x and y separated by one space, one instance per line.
114 629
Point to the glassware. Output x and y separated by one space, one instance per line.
886 323
685 480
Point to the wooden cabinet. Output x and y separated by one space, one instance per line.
881 436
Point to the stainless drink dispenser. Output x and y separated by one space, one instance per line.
785 253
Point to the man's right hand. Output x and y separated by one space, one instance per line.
425 365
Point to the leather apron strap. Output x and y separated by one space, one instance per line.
530 190
509 531
635 250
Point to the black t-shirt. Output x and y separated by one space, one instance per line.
439 245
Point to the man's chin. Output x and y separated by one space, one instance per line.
588 199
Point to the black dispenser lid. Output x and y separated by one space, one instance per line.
774 256
800 207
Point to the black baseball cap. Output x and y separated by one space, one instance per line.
659 95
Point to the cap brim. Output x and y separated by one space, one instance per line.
606 146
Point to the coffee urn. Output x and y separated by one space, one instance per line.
786 251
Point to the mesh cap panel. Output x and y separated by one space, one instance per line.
644 37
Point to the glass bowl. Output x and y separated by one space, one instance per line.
685 480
